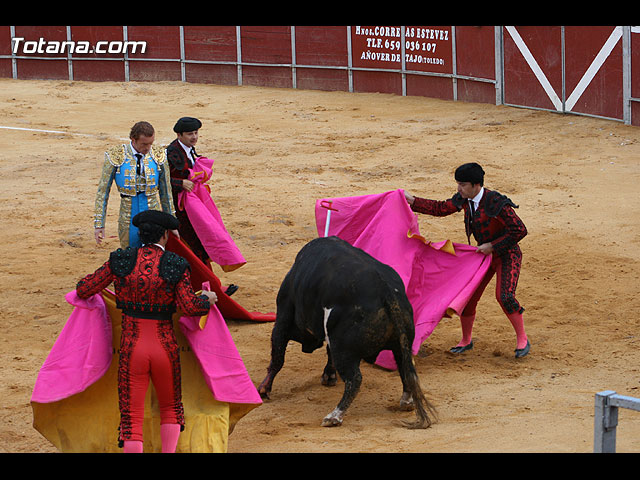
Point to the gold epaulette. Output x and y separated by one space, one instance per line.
159 153
115 155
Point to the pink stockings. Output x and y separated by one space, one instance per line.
518 325
466 322
132 446
169 434
506 273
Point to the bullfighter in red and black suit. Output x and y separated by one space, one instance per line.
490 217
149 283
181 154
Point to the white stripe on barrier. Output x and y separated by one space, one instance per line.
537 71
584 82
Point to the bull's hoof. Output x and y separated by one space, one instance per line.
329 380
406 402
331 422
264 392
334 419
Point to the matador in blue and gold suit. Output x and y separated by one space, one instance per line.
143 184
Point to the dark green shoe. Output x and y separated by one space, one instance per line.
521 352
462 348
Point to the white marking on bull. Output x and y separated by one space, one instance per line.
327 312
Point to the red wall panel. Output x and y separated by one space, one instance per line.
99 71
426 86
521 87
214 74
96 34
635 65
603 95
41 69
270 44
5 40
101 66
475 52
279 77
162 42
377 82
6 70
210 43
141 71
635 77
478 92
322 79
323 46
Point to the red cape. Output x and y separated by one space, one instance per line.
201 273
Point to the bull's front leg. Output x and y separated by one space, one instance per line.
278 348
352 381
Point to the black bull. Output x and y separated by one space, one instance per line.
338 294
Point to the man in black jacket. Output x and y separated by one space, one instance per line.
181 154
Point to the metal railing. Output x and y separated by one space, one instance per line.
606 419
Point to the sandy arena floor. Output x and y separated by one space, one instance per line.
277 150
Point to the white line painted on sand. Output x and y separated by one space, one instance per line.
53 131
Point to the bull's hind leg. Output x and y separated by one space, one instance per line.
349 370
329 377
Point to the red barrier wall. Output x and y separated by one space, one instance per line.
463 63
603 94
635 74
591 59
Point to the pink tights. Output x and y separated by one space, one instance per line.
169 434
466 322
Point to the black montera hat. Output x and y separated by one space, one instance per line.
470 172
187 124
156 217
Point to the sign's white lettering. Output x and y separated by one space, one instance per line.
383 44
427 33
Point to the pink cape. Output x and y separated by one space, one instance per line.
439 277
206 219
83 351
81 354
221 364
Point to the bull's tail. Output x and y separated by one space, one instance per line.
426 412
